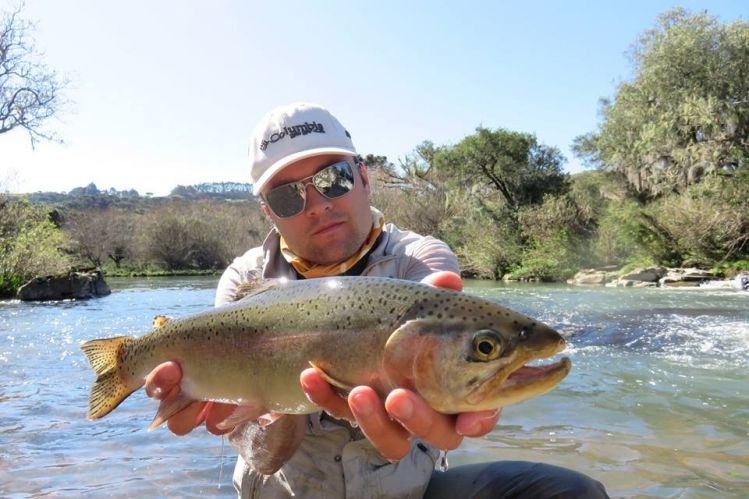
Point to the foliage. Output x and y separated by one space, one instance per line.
685 114
709 223
101 234
172 235
30 93
512 164
30 245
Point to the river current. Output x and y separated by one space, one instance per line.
657 403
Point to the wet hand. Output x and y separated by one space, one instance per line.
404 414
163 384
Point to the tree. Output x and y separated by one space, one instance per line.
30 93
99 234
511 163
685 113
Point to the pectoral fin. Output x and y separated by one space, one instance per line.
240 415
330 379
168 408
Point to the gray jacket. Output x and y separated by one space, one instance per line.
333 461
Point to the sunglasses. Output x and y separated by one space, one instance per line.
290 199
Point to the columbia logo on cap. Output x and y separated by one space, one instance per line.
292 131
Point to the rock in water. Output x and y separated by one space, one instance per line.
73 285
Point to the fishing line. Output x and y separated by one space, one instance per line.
221 465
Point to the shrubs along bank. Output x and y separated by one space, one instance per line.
669 188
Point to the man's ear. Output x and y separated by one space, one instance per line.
364 177
266 210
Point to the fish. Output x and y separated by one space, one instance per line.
458 351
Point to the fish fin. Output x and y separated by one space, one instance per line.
241 414
267 448
330 379
269 418
255 285
159 321
110 387
170 407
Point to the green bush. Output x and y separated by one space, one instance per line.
709 223
30 245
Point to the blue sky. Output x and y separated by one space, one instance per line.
166 92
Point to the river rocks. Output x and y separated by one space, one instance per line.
679 278
73 285
590 277
646 277
640 278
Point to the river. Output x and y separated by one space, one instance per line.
657 403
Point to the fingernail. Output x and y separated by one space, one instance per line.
472 429
362 405
156 392
403 410
491 416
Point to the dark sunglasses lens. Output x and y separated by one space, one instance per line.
285 200
335 180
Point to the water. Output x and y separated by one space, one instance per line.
656 404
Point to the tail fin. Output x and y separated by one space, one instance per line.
110 388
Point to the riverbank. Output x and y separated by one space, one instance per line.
659 277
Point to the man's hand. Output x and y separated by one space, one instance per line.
163 384
404 414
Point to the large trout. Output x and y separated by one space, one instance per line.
459 352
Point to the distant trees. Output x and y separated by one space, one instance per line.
102 234
30 92
472 194
685 113
175 235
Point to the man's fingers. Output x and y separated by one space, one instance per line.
444 279
422 421
184 421
477 424
163 379
217 412
387 436
321 393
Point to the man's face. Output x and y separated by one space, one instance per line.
328 230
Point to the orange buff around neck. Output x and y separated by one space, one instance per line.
310 270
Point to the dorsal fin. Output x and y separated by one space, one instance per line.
256 285
159 321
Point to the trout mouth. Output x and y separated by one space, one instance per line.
523 383
530 375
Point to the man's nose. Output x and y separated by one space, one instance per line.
316 202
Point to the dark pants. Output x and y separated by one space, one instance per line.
512 479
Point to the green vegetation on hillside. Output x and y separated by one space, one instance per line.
671 187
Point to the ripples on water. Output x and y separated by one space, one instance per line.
656 404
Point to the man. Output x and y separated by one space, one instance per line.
316 193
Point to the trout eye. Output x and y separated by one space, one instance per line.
486 345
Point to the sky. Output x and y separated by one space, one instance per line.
165 92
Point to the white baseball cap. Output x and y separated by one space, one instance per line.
293 132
